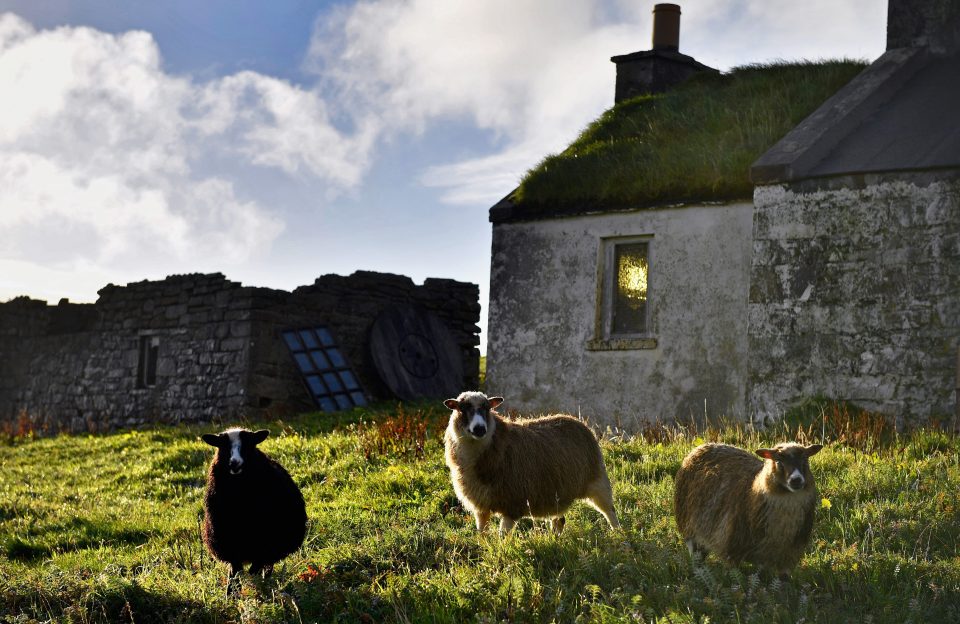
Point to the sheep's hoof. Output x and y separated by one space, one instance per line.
696 552
233 586
557 524
264 570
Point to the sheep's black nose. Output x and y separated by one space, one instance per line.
796 482
478 431
235 466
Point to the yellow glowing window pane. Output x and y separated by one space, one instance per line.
630 295
632 278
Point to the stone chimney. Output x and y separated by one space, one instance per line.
656 70
666 27
932 24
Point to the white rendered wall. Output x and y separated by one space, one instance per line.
543 298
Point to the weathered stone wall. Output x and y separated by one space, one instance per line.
924 23
221 357
22 321
543 315
86 378
855 294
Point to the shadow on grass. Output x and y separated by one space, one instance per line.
74 534
120 601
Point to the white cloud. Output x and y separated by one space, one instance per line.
533 73
78 282
415 61
276 124
737 32
104 157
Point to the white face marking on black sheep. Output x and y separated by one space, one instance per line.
236 459
234 446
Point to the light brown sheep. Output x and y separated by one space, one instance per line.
729 502
535 467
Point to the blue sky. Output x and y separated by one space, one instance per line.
278 141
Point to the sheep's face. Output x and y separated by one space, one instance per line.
791 465
471 414
234 446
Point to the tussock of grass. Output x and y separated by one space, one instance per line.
105 528
694 143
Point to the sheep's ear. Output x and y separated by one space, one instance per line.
812 450
452 404
495 402
211 438
259 436
767 453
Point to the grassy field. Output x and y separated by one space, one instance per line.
105 528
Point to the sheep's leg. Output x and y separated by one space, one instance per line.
267 570
600 494
697 553
482 517
233 578
506 525
557 524
783 574
263 569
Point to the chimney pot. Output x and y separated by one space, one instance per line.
666 27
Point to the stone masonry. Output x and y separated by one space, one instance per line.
855 293
220 357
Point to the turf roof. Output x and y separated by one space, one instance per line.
694 143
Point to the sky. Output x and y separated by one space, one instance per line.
275 141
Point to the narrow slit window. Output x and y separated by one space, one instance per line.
149 354
629 305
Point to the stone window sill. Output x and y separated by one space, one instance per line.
621 344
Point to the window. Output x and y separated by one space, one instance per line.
324 369
622 318
147 362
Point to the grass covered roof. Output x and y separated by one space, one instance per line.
694 143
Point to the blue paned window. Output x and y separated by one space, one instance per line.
323 368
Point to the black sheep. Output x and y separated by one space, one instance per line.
253 511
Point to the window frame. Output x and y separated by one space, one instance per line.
604 339
148 360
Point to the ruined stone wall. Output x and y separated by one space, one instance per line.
349 306
220 355
855 294
22 321
87 378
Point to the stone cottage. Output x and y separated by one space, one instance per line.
203 348
837 275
